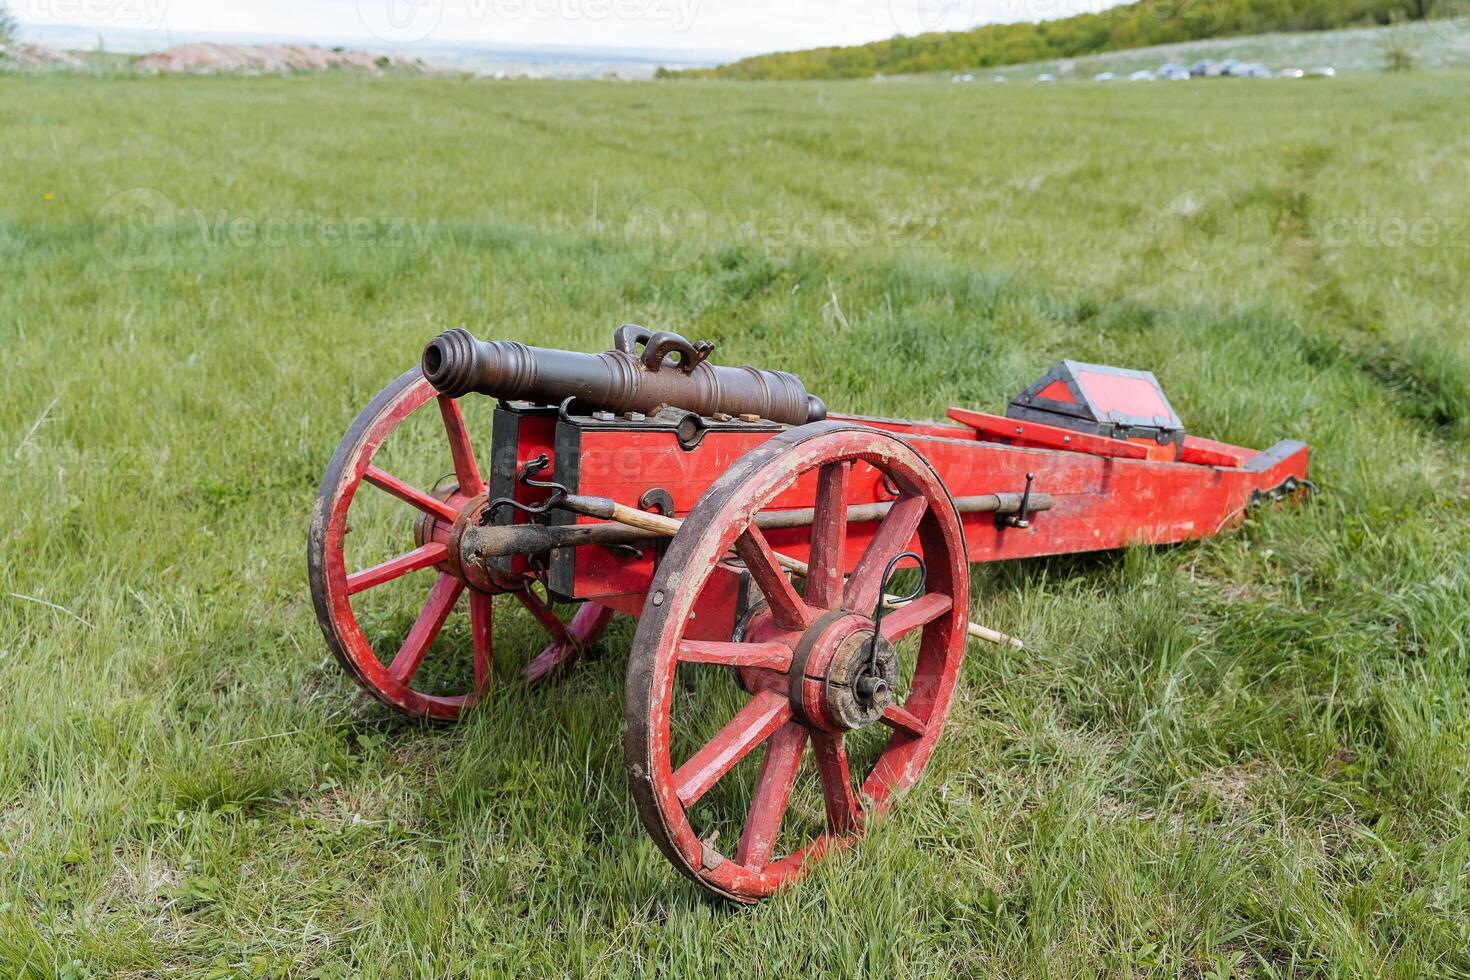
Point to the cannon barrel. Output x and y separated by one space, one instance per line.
670 371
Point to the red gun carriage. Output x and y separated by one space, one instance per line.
754 535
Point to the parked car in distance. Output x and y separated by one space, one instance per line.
1201 69
1104 76
1046 76
1325 72
1174 73
1222 69
1290 73
966 77
1142 75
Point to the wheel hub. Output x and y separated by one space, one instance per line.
859 687
428 528
838 680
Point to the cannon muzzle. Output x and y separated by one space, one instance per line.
668 372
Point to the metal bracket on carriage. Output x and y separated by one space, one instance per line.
1021 517
558 491
1285 490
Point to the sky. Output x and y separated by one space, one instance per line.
708 25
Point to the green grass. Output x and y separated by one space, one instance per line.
1246 756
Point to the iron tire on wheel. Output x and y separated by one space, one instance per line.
439 517
786 712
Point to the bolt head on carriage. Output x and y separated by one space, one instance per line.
800 578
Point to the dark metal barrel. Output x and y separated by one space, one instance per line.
670 371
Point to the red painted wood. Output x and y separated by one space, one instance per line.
482 622
424 557
900 622
1057 391
466 469
782 469
843 813
1101 503
1038 436
828 537
760 559
752 725
335 591
409 495
431 620
901 719
772 794
1208 452
566 645
892 539
772 656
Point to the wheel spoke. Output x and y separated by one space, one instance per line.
430 554
441 601
772 794
466 470
751 726
775 656
843 813
482 618
829 536
389 483
787 608
902 720
544 615
904 619
892 538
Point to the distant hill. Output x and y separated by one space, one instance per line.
1136 25
1430 44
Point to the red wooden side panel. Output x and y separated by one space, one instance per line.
1100 502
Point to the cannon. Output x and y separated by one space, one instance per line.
800 579
670 372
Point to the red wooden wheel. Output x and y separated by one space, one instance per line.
431 522
803 658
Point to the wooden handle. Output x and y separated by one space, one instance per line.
667 527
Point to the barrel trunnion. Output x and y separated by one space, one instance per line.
756 537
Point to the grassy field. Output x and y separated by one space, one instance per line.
1245 757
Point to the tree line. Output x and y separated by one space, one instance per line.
1135 25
